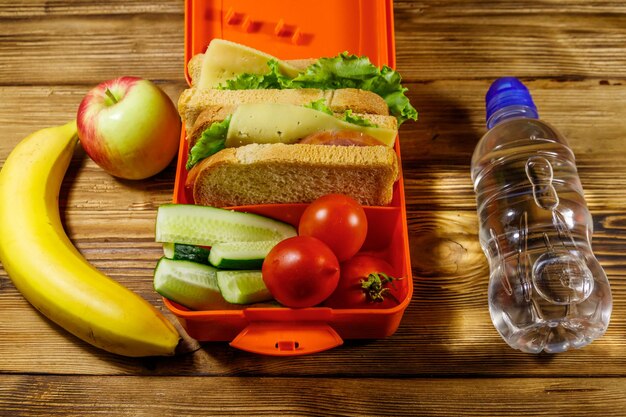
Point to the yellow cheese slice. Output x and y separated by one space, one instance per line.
224 60
287 123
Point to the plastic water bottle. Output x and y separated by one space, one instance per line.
547 290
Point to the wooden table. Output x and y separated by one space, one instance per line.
446 358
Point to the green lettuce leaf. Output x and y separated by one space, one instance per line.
348 116
319 105
351 71
272 80
357 120
211 141
342 71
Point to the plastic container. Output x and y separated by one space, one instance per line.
312 29
547 291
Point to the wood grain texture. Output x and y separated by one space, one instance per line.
92 49
32 395
446 358
46 8
488 39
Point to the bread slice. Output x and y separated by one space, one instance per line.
194 67
192 102
279 173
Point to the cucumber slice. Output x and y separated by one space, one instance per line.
168 250
243 287
190 284
180 251
206 226
240 255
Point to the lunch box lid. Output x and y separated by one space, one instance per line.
298 30
291 29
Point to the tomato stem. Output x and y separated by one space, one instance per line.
375 287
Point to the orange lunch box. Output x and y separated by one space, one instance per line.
297 30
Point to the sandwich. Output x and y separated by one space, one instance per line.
261 130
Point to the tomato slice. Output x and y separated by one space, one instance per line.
341 138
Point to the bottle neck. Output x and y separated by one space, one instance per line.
511 112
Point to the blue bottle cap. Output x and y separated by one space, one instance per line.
506 92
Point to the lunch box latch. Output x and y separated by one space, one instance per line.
287 338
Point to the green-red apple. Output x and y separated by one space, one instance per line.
129 127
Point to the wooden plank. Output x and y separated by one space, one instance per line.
65 50
449 187
32 395
31 8
488 8
488 39
452 120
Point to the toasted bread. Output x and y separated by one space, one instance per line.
279 173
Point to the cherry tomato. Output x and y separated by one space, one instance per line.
301 271
337 220
366 282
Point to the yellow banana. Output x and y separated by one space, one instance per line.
50 272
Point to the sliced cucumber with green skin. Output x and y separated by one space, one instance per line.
243 287
180 251
240 255
190 284
206 226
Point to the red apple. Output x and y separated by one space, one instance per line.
129 127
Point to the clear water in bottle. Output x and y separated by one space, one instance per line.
547 290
